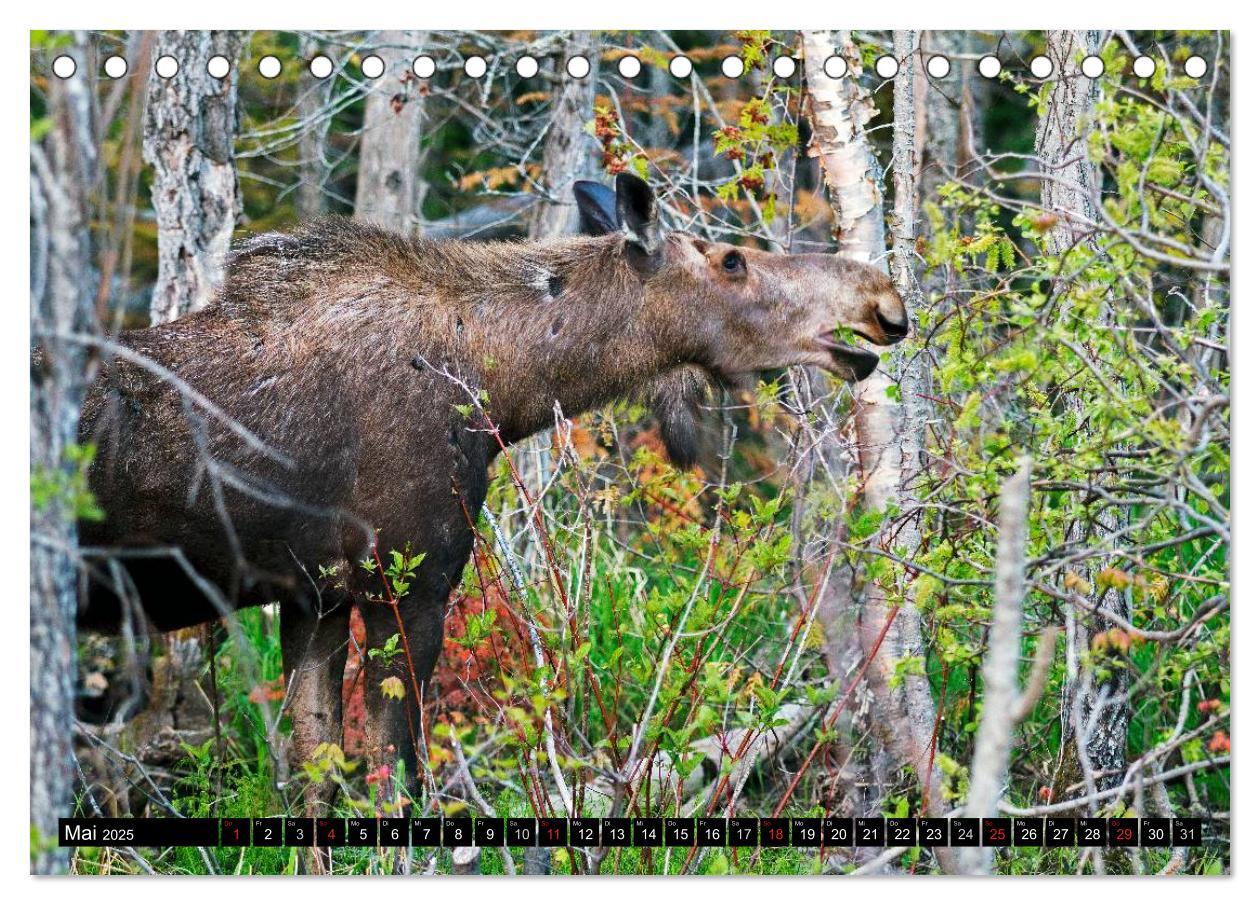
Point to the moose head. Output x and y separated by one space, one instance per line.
741 310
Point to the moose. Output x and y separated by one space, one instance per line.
318 410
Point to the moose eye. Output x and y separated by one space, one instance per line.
733 262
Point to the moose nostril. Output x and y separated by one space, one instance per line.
894 330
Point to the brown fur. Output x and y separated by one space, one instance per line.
346 350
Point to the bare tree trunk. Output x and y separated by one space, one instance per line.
996 736
567 153
61 304
390 189
939 107
567 157
314 115
1068 192
1061 139
189 128
888 432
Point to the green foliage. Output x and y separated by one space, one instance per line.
67 487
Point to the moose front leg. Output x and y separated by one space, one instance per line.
314 646
392 730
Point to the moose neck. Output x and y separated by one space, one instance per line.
562 322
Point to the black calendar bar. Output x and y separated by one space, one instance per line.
154 832
591 832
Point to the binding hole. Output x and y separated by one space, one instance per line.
423 66
989 66
321 66
166 66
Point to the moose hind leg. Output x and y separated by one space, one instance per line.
314 646
392 730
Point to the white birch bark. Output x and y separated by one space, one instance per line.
888 432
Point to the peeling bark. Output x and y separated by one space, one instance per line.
839 110
888 432
190 120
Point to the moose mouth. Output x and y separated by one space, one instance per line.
848 362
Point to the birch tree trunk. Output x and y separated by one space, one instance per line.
390 190
888 432
62 171
190 123
1068 192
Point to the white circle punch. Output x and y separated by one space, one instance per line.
989 66
1144 67
321 66
527 67
1196 67
1040 66
732 67
1093 67
835 66
886 66
680 67
64 66
938 66
578 67
217 66
166 66
784 67
475 67
629 67
423 66
372 66
115 67
269 67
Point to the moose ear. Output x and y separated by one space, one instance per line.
637 213
597 208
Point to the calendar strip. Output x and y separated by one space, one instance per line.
636 832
